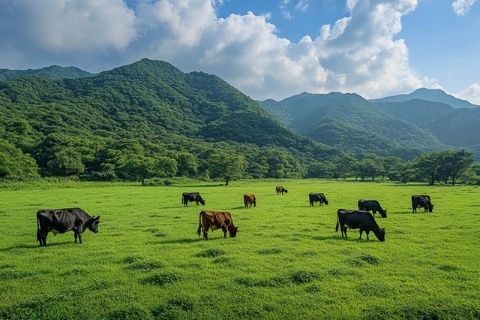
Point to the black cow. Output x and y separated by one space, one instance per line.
190 197
362 220
63 220
317 197
281 189
423 201
372 205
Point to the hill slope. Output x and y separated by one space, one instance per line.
457 127
51 72
434 95
352 123
151 103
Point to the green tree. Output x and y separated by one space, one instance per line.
14 164
427 166
226 166
66 162
187 164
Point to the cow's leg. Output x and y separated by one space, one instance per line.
361 231
367 232
80 237
44 238
345 232
224 229
75 235
205 233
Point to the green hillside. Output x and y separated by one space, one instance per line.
51 72
352 123
95 126
433 95
458 127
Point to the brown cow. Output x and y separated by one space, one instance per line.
281 189
216 220
248 199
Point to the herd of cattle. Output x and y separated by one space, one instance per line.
77 220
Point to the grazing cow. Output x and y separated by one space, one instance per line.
190 197
281 189
249 199
314 197
362 220
63 220
216 220
423 201
372 205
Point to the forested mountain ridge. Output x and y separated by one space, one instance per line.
52 72
457 127
433 95
352 123
148 111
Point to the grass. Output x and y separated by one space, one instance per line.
287 261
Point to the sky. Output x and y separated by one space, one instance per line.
265 48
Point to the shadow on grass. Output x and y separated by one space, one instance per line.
184 240
21 246
334 237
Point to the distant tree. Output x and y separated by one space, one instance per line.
344 166
321 170
138 168
226 166
427 167
369 166
456 163
187 164
406 172
390 167
66 162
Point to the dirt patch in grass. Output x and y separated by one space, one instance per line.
211 253
161 279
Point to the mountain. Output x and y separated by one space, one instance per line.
52 72
352 123
151 108
434 95
458 127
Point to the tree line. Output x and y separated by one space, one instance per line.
60 155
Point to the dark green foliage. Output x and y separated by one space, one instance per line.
161 279
52 72
456 127
14 164
211 253
145 120
352 123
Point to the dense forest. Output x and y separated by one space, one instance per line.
150 120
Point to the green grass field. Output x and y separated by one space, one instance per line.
287 261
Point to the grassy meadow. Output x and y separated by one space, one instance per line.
287 261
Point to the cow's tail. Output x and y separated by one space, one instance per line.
182 198
199 230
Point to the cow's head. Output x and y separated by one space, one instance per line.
286 191
383 213
430 207
93 224
233 231
326 201
381 235
201 201
254 202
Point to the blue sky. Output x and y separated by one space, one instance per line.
268 49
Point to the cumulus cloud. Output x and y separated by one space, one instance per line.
471 93
461 7
357 53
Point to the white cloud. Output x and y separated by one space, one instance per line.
358 53
471 93
461 7
302 5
